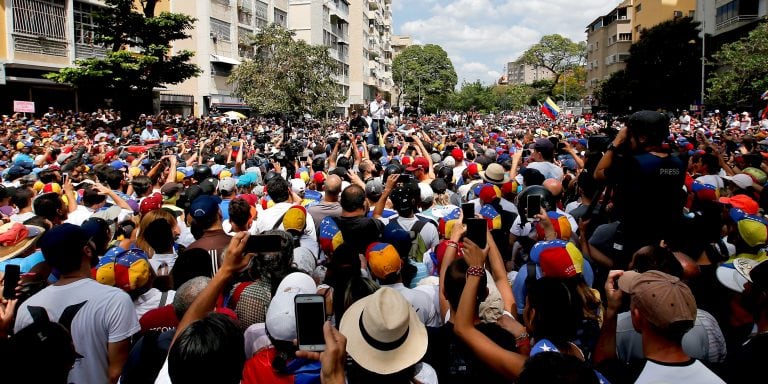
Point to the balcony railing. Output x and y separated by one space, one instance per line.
734 20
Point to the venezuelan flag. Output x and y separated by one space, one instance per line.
550 109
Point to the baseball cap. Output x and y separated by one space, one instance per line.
150 203
558 258
298 186
743 202
171 189
280 318
457 154
383 259
319 177
295 219
227 184
741 180
473 171
205 206
753 229
128 269
248 179
663 299
118 165
543 145
560 224
373 188
418 163
735 273
304 260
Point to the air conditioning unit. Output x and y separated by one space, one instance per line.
677 13
623 17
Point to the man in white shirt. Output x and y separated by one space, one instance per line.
542 159
379 110
685 121
279 190
150 135
105 318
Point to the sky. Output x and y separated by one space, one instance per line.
481 36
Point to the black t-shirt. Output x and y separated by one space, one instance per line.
454 362
359 232
751 354
358 124
650 198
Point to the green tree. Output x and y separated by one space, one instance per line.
128 77
663 70
572 85
512 97
424 74
743 74
557 54
287 76
474 96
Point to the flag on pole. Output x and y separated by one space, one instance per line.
550 109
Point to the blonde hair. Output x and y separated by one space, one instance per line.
151 216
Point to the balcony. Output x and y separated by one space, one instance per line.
734 20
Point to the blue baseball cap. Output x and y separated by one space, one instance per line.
204 206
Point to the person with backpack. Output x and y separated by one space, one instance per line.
102 319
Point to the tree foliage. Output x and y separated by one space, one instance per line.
287 76
512 97
556 53
482 98
743 75
123 74
424 71
572 85
663 70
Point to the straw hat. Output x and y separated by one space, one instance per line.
384 334
24 240
495 174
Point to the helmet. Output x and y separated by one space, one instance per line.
392 169
547 200
375 153
201 172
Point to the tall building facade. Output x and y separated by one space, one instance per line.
609 37
399 44
370 51
220 41
608 40
325 23
728 20
522 73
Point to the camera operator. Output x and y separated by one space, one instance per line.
648 183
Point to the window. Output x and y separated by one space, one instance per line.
244 17
281 18
638 8
260 14
40 18
625 36
83 15
220 29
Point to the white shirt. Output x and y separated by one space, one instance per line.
22 217
79 215
378 109
151 300
685 122
693 373
549 170
267 219
428 232
527 230
108 316
159 259
421 303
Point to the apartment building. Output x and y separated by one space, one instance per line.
649 13
43 36
370 51
325 23
608 40
724 21
521 73
399 44
220 41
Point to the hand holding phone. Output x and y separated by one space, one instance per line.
310 318
477 231
11 280
467 212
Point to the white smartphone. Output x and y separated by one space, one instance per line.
310 317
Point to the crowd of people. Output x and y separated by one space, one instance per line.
171 249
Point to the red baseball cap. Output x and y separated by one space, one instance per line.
472 170
419 163
457 154
743 202
319 177
150 203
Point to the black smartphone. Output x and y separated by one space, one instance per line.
477 229
264 243
11 280
533 206
64 178
310 317
303 159
405 178
467 211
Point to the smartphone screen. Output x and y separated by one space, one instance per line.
64 178
310 317
303 158
533 206
404 178
477 229
467 211
264 243
11 280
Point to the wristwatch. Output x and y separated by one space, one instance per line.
610 147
